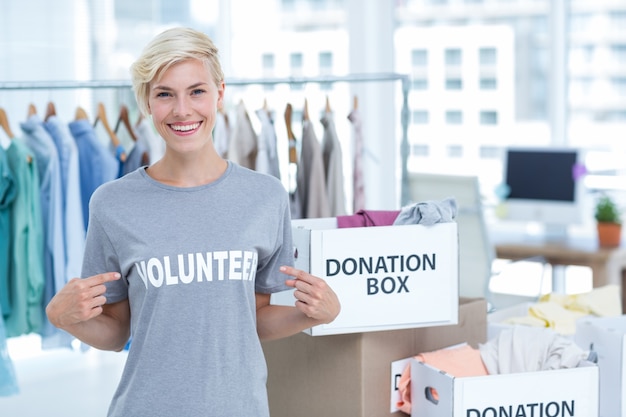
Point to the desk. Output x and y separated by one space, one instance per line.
608 265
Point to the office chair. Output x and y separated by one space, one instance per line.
476 251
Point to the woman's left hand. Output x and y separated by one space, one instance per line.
314 297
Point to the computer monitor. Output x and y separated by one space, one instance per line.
544 185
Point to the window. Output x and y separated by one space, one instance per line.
419 150
619 85
488 117
419 84
487 56
326 68
618 20
296 63
488 83
268 62
489 152
420 117
455 151
618 52
454 117
326 62
453 57
454 84
419 57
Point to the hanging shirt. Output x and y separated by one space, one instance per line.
8 192
267 155
27 277
96 164
311 184
49 168
357 175
153 142
221 135
333 166
135 158
8 378
243 145
73 226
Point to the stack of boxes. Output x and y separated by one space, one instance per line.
398 286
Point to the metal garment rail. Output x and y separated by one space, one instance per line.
353 78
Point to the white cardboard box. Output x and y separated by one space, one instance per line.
386 277
607 337
563 392
496 319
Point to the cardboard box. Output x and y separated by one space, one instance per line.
496 319
348 374
563 392
386 277
607 337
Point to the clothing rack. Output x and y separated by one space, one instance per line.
353 78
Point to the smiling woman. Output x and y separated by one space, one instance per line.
222 230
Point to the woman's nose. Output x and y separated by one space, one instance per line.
182 107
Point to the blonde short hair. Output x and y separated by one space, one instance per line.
166 49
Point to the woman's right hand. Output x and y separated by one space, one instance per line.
79 300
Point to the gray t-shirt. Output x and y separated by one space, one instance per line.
191 261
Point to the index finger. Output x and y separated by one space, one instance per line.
294 272
102 278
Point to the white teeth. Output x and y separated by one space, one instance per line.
185 128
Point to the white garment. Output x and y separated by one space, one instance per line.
243 146
221 135
529 349
267 155
153 142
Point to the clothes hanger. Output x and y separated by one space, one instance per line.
265 108
50 111
32 110
81 114
123 118
4 123
293 157
139 119
328 110
102 117
355 103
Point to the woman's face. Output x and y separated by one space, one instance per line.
183 105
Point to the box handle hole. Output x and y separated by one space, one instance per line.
432 395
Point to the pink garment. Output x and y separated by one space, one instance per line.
366 218
459 361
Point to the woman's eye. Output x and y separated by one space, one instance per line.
197 91
163 94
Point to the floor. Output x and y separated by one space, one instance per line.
61 382
77 383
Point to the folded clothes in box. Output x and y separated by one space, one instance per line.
516 350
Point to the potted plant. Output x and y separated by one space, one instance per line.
609 222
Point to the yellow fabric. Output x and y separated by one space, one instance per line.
556 317
602 301
560 311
